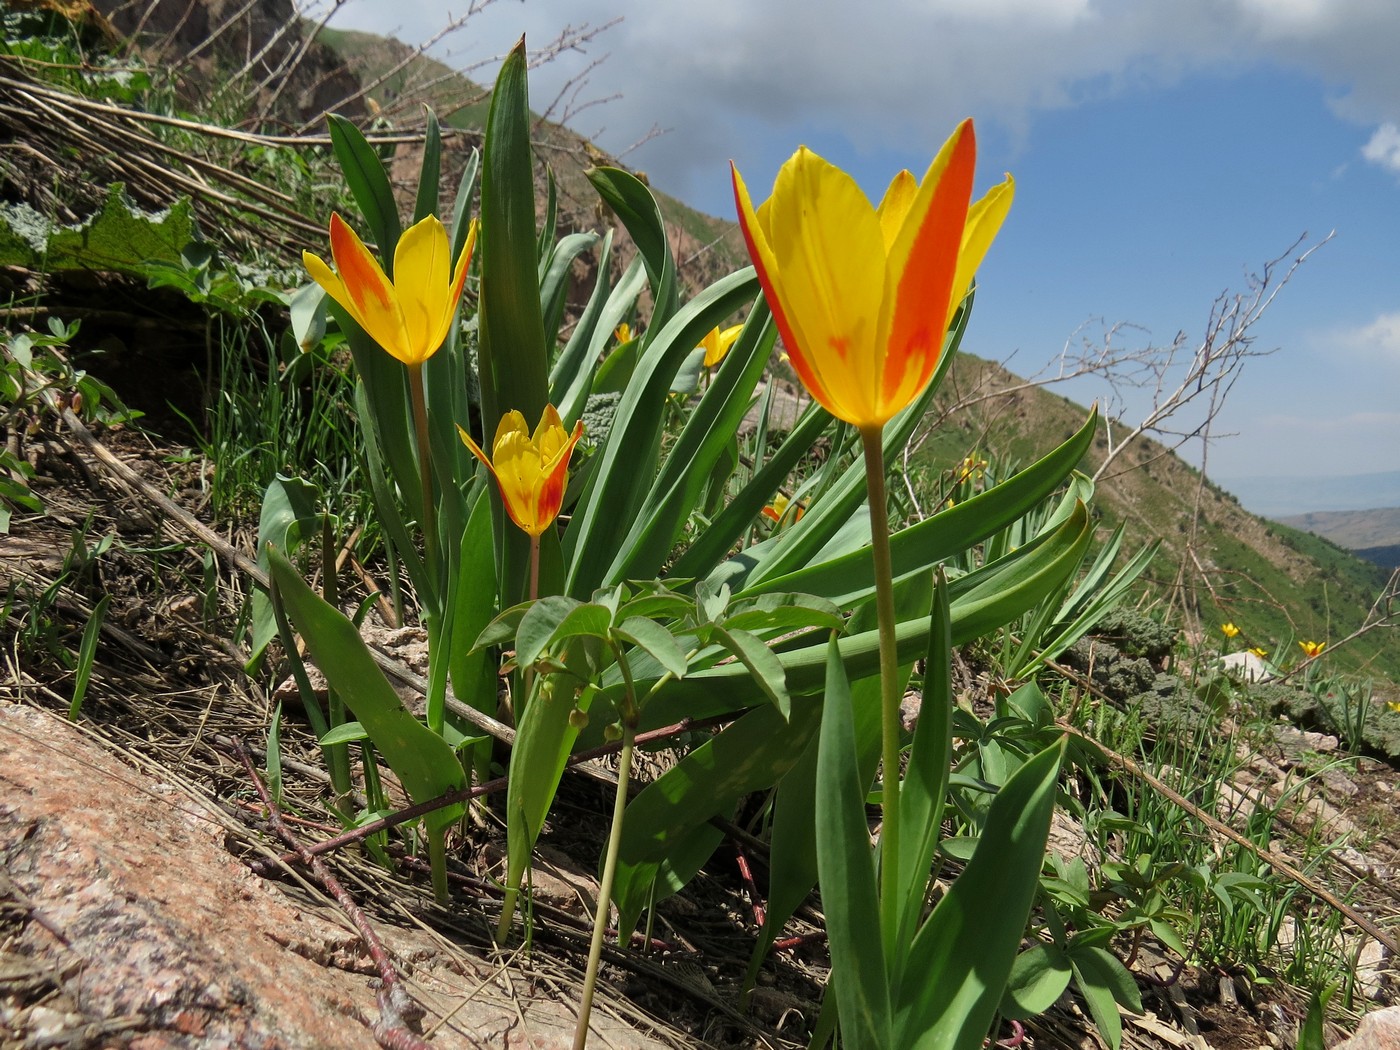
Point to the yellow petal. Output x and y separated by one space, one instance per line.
984 219
422 280
895 205
830 255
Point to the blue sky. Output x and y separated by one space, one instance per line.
1163 151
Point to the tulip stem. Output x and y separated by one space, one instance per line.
425 461
872 440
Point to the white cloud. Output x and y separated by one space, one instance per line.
1378 339
1384 147
726 74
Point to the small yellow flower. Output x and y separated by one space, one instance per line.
623 333
717 343
1260 651
1311 649
1394 705
778 509
531 471
411 315
1229 629
861 295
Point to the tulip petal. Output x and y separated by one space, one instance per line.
371 298
421 281
924 260
984 219
896 203
756 238
831 257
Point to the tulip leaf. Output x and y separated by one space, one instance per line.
708 433
846 866
609 505
430 171
1005 588
369 185
633 203
461 208
423 761
926 776
915 549
572 375
291 511
951 981
554 282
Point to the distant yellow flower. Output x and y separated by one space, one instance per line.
411 315
778 509
717 344
623 333
1394 705
862 296
531 471
1311 649
1229 629
1260 651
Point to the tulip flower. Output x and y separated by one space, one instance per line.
623 333
863 295
779 508
530 470
411 315
1229 630
1311 649
1259 651
717 343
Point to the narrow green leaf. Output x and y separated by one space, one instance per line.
762 663
369 185
846 866
430 171
633 203
1093 976
87 654
554 282
291 511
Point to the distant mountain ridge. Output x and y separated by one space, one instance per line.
1283 497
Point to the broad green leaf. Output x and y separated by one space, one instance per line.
745 757
1038 978
1105 983
652 638
956 972
633 203
846 866
369 185
423 761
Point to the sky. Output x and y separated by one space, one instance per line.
1164 151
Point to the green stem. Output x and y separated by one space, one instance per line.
425 463
871 439
600 915
437 859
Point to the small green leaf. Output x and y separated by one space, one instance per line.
651 637
762 663
1039 977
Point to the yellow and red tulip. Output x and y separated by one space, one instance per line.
717 343
863 295
1229 630
1259 651
411 315
779 508
1311 649
532 471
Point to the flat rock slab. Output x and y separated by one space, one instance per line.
125 922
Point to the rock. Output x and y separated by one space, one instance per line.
139 928
1247 666
1379 1030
